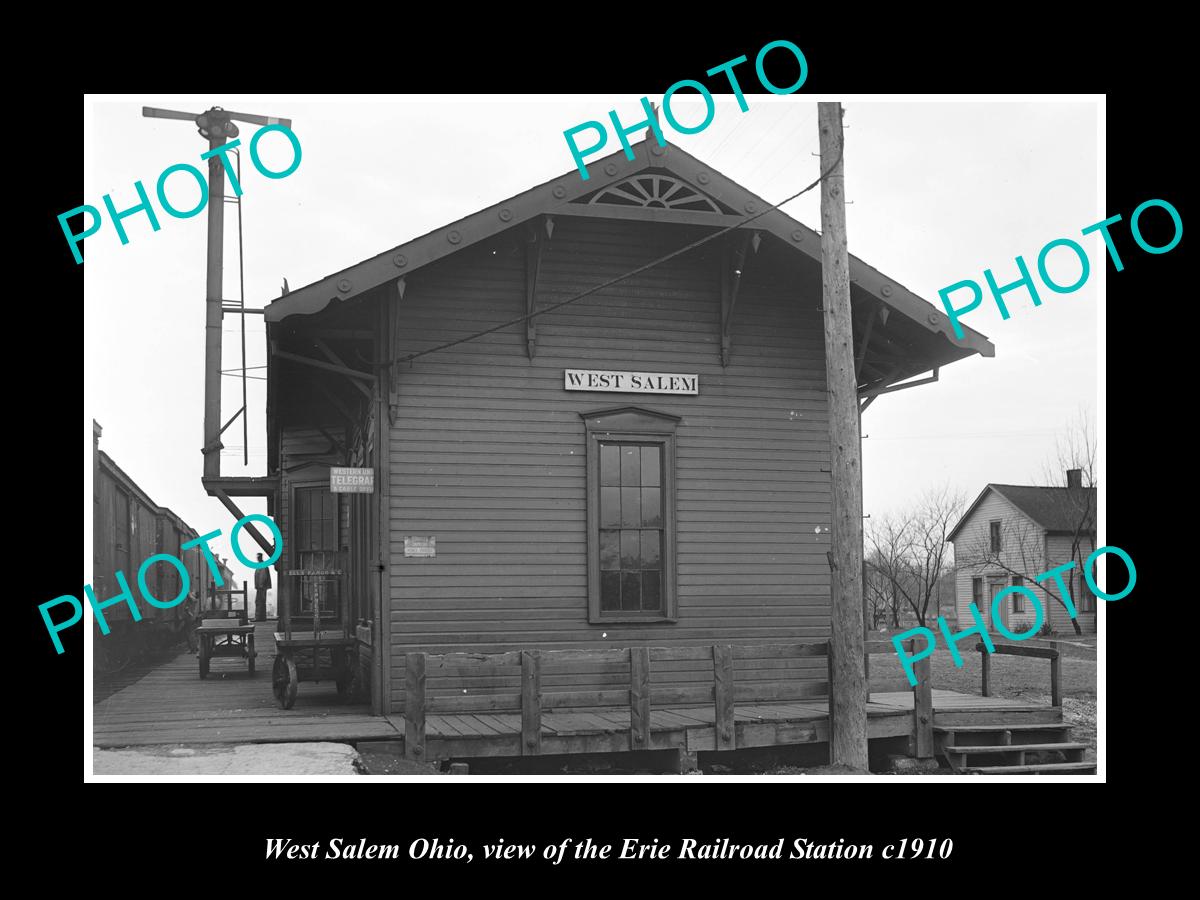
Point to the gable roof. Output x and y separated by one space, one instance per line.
568 195
1056 510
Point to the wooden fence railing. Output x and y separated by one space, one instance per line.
1051 653
635 667
921 739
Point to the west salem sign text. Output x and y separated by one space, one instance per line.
630 382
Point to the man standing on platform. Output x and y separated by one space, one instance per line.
262 581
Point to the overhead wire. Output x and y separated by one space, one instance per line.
750 149
619 278
783 143
723 141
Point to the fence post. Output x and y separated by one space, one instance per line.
531 703
414 706
639 698
1055 675
723 697
922 708
986 669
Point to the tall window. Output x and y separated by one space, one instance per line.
315 543
977 593
1017 597
994 529
630 510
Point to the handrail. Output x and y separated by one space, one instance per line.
1051 653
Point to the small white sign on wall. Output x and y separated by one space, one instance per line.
420 545
630 382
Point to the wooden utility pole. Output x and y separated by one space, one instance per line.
848 691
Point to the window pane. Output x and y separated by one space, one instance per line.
652 507
631 466
610 465
610 507
651 550
610 590
630 550
631 507
609 542
650 476
631 590
301 505
651 591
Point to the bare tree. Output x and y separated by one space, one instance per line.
879 592
1076 450
910 553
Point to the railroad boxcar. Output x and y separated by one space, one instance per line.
129 527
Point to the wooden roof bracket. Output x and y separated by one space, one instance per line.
869 396
866 338
533 263
327 366
733 264
267 546
389 328
328 353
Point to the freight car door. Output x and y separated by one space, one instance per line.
121 538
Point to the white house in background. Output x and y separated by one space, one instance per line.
1013 533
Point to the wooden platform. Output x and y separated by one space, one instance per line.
693 728
171 705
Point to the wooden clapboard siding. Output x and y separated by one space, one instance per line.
487 454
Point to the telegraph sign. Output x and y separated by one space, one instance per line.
347 480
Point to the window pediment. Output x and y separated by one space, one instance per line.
630 419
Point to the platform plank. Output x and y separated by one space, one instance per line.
172 705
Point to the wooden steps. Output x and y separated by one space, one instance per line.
969 750
1069 768
1005 748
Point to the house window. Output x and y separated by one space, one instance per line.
1084 599
994 528
631 515
977 592
1017 597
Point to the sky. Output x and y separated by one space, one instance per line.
937 191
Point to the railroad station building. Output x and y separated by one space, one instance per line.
647 466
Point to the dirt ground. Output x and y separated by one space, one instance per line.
260 760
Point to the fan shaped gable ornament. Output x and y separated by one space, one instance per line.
655 192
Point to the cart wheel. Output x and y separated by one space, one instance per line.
283 681
203 666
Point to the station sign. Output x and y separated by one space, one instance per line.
348 480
